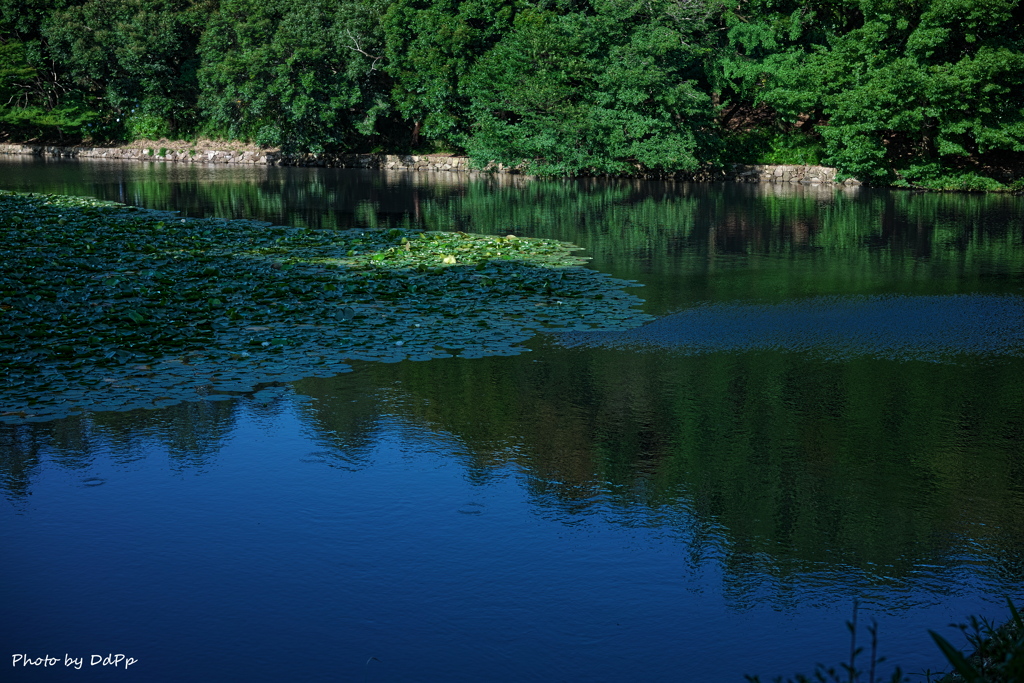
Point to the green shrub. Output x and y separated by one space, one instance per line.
767 146
28 123
935 176
146 126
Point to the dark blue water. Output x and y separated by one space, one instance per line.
829 410
912 328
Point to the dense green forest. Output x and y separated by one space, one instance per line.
912 92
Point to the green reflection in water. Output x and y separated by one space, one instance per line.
192 434
775 464
688 243
868 463
784 462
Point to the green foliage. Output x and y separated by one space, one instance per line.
933 176
16 74
146 125
613 90
302 75
37 98
928 93
34 122
997 651
137 56
899 83
768 146
430 48
89 288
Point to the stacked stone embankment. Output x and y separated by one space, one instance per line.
432 162
784 173
806 175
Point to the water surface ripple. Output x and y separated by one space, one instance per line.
828 407
893 327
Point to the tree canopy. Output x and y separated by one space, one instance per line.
918 92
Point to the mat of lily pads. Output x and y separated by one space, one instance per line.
109 307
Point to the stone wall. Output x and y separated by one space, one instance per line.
781 173
787 174
431 162
807 175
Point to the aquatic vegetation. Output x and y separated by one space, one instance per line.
997 656
848 672
998 650
106 307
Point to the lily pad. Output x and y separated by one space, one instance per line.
106 306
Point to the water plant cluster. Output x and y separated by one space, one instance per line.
109 307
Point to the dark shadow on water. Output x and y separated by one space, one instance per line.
920 328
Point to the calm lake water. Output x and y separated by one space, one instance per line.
828 409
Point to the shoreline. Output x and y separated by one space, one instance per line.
186 152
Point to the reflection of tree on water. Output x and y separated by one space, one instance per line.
774 459
771 464
785 463
190 433
345 417
616 219
19 456
685 242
